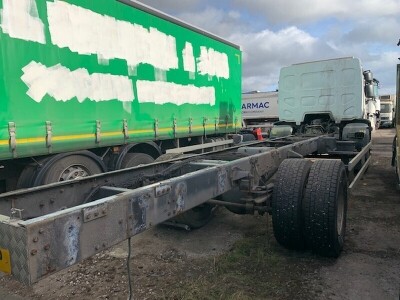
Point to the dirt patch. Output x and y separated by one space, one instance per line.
237 257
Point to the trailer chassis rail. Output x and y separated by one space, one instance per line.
46 229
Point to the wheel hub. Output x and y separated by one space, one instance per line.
73 172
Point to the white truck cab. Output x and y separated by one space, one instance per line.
387 110
328 96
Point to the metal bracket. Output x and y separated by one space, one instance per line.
174 127
49 136
190 125
155 128
293 154
162 190
125 129
16 214
205 119
93 213
236 124
98 131
13 139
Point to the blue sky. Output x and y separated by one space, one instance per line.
274 34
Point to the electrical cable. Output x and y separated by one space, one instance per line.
130 296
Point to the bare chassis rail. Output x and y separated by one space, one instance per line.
46 229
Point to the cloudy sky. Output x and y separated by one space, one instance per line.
273 34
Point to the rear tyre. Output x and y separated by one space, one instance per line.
287 215
196 217
325 207
135 159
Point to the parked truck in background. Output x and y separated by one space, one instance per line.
333 96
125 84
374 105
387 111
182 84
259 110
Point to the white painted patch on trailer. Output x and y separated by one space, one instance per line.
213 63
20 20
86 32
159 92
189 63
63 84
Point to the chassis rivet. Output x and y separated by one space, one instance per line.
33 252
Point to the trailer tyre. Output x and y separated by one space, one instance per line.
27 176
325 207
287 215
196 217
69 168
135 159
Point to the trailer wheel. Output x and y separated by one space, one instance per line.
27 177
287 215
135 159
196 217
69 168
325 207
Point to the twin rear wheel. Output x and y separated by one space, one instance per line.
309 205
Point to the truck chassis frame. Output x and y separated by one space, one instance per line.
48 228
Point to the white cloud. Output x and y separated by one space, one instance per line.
265 52
273 34
384 69
217 21
308 11
380 29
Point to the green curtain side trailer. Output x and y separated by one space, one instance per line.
112 77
